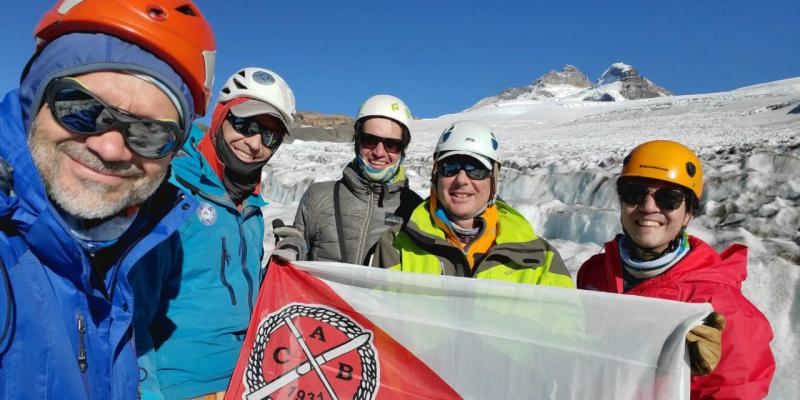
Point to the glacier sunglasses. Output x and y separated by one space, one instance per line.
78 110
370 141
249 126
666 198
474 169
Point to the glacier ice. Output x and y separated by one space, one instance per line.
560 162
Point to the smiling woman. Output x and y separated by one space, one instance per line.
342 220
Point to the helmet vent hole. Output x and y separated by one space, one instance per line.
243 75
187 10
226 90
239 85
691 169
157 13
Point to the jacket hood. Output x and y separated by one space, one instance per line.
27 205
730 266
80 53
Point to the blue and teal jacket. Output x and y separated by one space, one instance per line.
65 331
190 329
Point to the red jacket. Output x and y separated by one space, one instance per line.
703 276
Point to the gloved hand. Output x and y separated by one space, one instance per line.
705 344
290 244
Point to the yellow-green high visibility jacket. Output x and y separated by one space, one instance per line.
517 255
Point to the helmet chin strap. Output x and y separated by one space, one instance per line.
649 253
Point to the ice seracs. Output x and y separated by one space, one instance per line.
561 159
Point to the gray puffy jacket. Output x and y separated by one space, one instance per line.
365 211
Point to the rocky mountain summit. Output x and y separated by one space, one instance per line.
570 75
634 86
619 82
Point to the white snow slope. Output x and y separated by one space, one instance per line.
560 159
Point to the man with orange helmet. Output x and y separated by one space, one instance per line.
659 190
103 105
186 354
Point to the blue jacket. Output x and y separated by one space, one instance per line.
65 337
190 329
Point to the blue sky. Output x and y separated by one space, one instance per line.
443 56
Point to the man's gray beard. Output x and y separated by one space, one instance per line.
88 201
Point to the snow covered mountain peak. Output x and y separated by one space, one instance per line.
626 81
616 72
618 82
551 86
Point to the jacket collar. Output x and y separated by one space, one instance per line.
514 234
702 263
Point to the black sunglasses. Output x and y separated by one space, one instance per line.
249 126
475 170
634 194
78 110
371 141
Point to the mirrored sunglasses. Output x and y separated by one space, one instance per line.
249 126
666 198
371 141
78 110
475 170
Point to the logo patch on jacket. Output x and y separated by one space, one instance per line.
207 214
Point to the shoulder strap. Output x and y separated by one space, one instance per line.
337 212
408 202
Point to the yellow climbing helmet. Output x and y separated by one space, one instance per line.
668 161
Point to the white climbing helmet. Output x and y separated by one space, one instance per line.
474 139
270 91
387 106
470 138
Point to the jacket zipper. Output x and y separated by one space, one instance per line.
245 272
363 237
463 267
224 260
125 253
472 271
83 363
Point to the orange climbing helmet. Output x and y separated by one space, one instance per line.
668 161
173 30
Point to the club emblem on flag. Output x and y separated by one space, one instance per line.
311 352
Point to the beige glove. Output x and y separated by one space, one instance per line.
705 344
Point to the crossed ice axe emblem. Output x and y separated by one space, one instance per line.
313 363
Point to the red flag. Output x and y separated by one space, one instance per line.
305 342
